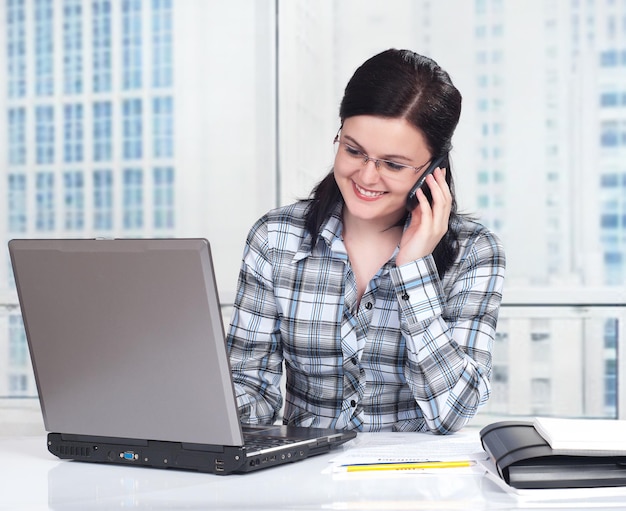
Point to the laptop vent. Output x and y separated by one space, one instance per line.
75 451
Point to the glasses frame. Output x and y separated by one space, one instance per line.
378 162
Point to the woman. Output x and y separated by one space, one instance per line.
384 318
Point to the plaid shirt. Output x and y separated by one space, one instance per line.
413 355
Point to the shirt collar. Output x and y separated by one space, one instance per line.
330 231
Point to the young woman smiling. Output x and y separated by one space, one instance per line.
383 318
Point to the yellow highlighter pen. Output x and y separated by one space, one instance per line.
408 466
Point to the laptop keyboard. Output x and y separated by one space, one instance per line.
256 444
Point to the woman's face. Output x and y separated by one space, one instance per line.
372 190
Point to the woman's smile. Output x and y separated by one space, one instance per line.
367 194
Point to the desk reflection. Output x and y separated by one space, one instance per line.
303 485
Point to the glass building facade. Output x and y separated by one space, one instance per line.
89 127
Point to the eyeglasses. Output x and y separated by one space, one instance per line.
388 167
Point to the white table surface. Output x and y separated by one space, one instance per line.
33 479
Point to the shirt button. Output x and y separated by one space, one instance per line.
368 306
354 360
405 296
353 403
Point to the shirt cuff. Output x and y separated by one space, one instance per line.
419 290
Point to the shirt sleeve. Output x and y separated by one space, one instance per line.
253 339
449 334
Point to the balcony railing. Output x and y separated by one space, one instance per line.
558 352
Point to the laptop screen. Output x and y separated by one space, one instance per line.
126 338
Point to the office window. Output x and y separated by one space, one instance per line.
17 136
102 131
132 61
74 200
44 135
44 48
102 45
73 133
133 199
103 200
72 47
162 43
45 206
132 129
164 198
16 200
16 48
163 119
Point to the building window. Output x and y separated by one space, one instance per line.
73 133
609 58
162 43
18 349
45 201
74 201
614 267
16 48
103 200
609 181
609 221
72 47
17 136
102 46
102 131
133 199
17 203
133 129
44 48
163 118
609 136
44 134
610 384
163 198
131 44
609 99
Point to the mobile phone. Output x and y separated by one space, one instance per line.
411 199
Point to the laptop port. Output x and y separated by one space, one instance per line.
129 455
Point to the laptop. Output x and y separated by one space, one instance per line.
129 355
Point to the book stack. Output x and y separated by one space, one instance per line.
558 453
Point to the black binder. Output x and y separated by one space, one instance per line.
525 460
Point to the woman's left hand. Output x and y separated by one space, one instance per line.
429 223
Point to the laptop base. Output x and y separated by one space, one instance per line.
215 459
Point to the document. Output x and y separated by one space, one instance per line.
589 436
406 451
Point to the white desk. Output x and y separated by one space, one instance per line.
32 479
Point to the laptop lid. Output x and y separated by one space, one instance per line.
126 338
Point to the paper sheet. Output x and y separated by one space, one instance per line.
370 448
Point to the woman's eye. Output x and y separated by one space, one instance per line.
393 166
352 151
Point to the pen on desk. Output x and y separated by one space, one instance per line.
422 465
